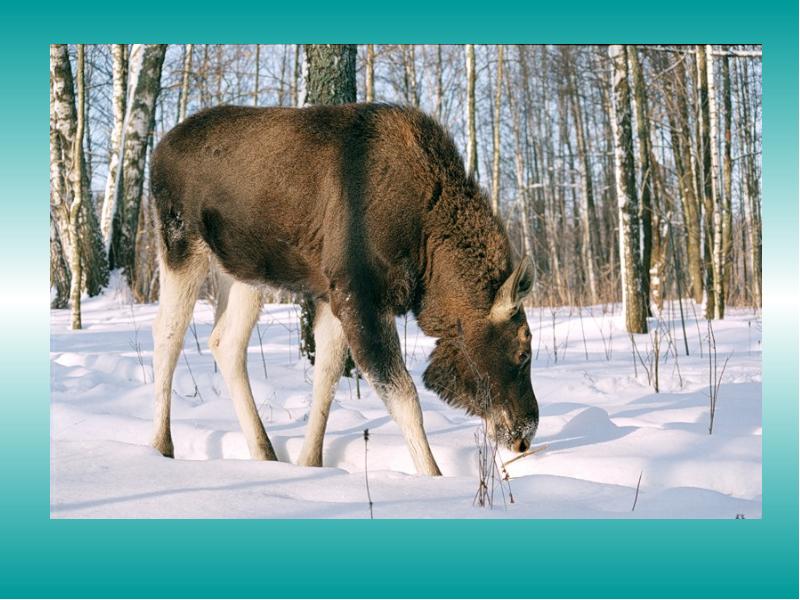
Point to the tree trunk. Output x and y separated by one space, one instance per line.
727 184
331 73
439 92
717 258
146 85
750 186
186 72
519 171
76 177
295 87
632 293
472 141
330 79
410 74
65 151
647 215
258 73
498 96
60 249
588 218
705 168
119 68
370 74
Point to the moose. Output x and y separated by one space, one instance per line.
368 210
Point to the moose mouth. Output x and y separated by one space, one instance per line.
516 439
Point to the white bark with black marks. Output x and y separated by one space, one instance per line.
119 70
632 297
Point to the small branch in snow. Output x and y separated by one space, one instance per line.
636 496
366 472
531 452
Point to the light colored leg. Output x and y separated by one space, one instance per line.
177 295
228 344
222 288
330 357
400 397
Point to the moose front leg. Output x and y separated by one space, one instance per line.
375 346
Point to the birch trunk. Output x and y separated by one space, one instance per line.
727 184
632 296
519 172
646 212
439 92
186 71
716 203
588 218
472 142
59 219
751 190
705 168
496 133
64 150
295 87
682 151
119 84
330 79
370 74
410 74
139 120
76 178
257 75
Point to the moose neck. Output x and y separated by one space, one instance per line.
468 257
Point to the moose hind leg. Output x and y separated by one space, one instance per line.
330 358
178 293
376 349
228 344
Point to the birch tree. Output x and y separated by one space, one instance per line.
498 96
707 178
438 84
186 72
716 204
519 172
472 141
258 80
119 74
369 74
727 177
330 79
677 96
146 84
410 74
77 173
588 219
68 175
59 216
632 295
648 209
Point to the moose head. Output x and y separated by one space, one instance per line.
485 368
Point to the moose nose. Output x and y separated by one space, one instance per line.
521 445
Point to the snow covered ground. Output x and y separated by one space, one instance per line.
604 425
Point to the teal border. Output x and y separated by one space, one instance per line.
40 557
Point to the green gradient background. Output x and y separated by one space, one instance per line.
40 557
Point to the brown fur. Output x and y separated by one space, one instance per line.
366 206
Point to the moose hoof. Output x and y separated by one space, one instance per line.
165 447
310 461
263 453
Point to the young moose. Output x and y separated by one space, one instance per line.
366 208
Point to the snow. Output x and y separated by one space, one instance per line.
604 426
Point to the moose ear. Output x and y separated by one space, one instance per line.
511 294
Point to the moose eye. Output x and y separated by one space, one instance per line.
523 358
